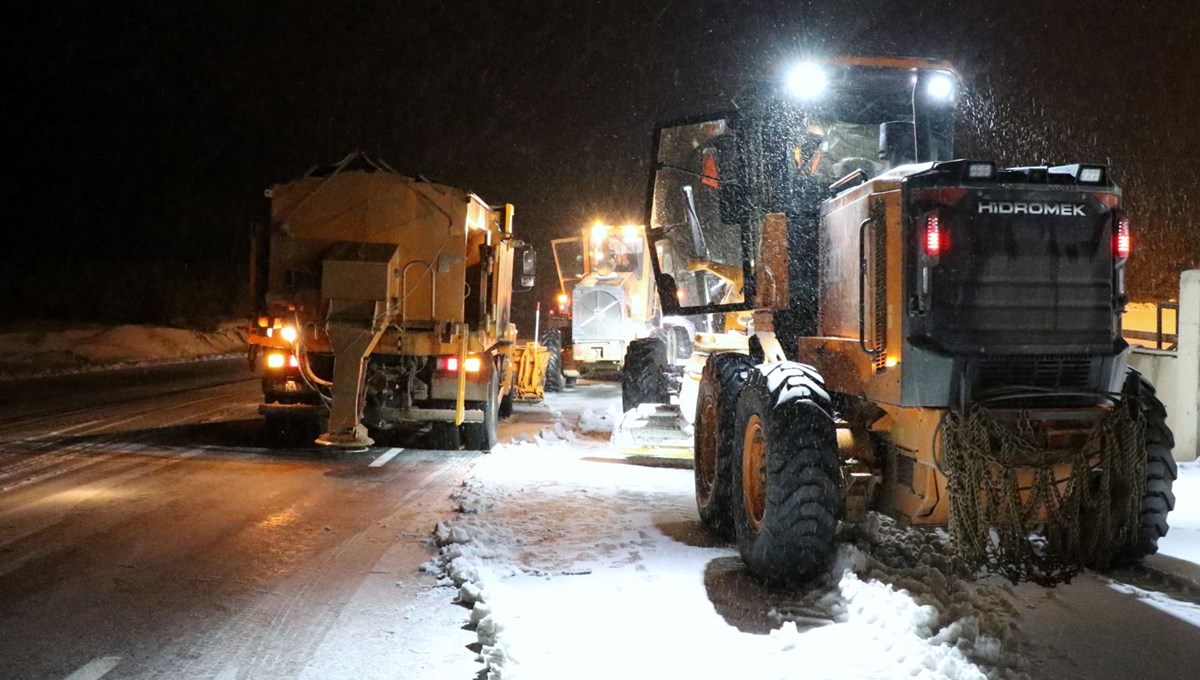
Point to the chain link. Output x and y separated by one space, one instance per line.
1047 531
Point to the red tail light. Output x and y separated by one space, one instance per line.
1123 242
449 364
935 241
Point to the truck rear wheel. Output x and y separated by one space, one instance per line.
555 381
1161 470
787 493
644 374
290 431
716 405
506 404
483 436
444 436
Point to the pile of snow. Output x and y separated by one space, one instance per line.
40 352
1183 538
556 434
593 422
576 565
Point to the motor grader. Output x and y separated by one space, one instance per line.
383 302
606 275
934 338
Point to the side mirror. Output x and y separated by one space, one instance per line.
897 142
526 268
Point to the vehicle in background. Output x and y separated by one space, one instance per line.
605 277
384 300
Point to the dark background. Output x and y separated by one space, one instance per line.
140 136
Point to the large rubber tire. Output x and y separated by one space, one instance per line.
482 436
1161 470
716 405
644 374
279 432
444 436
552 340
506 404
292 432
787 492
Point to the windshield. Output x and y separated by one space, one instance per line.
867 119
618 254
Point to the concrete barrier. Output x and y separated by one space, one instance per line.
1176 374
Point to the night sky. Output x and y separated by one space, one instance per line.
142 137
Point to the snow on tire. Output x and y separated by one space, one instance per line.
787 495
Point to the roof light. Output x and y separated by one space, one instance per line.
805 81
1124 241
940 87
288 333
1091 175
630 232
981 170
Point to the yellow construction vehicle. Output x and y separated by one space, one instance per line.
384 300
937 339
606 276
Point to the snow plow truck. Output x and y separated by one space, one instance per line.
932 337
384 300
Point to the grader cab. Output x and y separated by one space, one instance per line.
934 338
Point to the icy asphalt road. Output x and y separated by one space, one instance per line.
145 533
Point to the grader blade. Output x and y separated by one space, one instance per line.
654 430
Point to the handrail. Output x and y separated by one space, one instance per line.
862 289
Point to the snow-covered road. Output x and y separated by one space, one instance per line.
580 564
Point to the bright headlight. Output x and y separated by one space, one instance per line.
805 81
599 232
940 86
288 333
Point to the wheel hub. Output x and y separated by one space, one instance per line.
706 449
754 472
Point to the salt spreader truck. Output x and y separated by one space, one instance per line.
384 300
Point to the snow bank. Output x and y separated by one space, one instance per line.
593 422
1183 538
41 352
576 565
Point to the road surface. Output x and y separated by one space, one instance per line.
144 532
